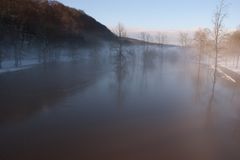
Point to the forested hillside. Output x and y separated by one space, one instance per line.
48 19
45 23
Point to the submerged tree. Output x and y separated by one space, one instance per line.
201 41
218 29
184 39
121 33
143 36
146 38
1 56
161 38
1 43
234 43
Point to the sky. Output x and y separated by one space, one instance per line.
157 14
169 16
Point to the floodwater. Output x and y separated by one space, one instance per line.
150 104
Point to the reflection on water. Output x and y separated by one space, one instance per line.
27 92
139 103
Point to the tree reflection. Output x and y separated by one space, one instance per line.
211 100
148 63
120 72
198 83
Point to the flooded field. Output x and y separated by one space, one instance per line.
147 104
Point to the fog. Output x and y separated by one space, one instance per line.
72 89
153 98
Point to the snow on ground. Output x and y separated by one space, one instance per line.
222 64
5 70
224 75
231 66
9 65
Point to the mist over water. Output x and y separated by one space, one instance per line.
149 102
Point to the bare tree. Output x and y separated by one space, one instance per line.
145 37
1 58
234 45
161 38
218 32
1 48
184 39
148 38
121 33
201 39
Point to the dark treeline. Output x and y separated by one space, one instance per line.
44 25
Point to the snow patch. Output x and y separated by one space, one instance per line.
13 69
8 65
225 75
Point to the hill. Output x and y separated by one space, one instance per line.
49 21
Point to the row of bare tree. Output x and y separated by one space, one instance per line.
220 47
216 43
160 38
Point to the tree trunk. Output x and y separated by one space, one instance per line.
16 57
216 53
39 56
199 58
0 60
237 64
233 60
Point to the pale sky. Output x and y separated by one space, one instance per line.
157 15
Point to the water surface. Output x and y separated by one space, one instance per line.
154 104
